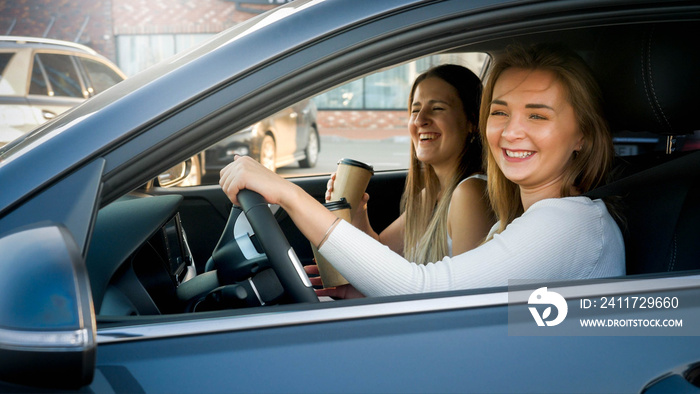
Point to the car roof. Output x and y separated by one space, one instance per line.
44 43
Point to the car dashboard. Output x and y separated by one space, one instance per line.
138 257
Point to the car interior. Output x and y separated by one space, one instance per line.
648 75
649 86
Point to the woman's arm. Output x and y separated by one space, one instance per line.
470 217
391 236
311 217
558 238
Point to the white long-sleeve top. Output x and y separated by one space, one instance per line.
555 239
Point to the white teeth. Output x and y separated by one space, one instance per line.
518 155
428 136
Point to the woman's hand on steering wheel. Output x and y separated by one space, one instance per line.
244 172
248 184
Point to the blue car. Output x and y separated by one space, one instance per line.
111 283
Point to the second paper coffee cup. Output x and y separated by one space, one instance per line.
329 275
351 180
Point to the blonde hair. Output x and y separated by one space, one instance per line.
425 234
588 167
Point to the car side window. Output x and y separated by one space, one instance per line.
100 76
4 60
364 119
38 83
62 75
367 119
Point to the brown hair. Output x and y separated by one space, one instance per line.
588 167
425 234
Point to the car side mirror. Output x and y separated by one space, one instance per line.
47 322
186 173
175 174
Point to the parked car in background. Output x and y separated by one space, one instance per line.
41 78
286 137
103 286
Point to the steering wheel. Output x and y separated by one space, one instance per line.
280 255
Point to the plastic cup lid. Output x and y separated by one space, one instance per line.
351 162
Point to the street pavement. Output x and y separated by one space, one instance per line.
388 154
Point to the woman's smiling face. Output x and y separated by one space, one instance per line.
532 130
438 125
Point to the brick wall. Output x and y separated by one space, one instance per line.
88 22
96 22
179 16
362 124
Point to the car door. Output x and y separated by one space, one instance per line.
283 126
443 343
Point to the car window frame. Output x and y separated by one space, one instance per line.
82 74
36 62
85 74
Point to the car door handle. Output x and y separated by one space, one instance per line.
48 115
671 384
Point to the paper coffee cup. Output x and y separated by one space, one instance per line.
329 275
351 180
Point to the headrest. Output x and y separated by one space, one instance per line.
650 77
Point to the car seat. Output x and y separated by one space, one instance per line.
650 82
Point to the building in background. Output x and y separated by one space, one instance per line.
135 34
148 31
82 21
